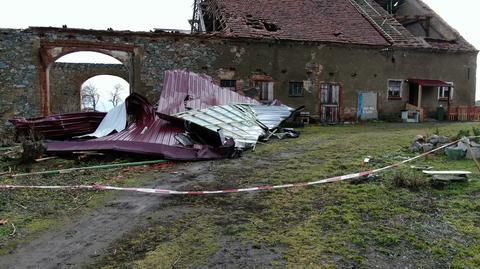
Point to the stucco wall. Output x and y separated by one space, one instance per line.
357 68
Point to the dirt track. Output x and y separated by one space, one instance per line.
86 238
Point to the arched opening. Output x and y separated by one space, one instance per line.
103 92
72 74
88 57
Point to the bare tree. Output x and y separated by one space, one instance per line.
90 97
115 95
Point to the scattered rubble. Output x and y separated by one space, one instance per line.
421 143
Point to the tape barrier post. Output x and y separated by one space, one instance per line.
251 189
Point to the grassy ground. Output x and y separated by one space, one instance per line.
340 225
30 212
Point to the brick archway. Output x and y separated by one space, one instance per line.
51 51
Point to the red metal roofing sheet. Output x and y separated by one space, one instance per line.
196 91
154 136
59 126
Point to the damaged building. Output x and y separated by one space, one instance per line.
343 60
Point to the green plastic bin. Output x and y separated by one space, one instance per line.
455 153
440 113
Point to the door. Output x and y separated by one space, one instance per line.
367 106
329 103
265 90
413 94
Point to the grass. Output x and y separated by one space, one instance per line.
34 211
389 222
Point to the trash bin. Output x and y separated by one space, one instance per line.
440 113
455 153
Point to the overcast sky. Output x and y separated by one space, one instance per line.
145 15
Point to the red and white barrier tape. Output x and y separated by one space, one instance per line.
259 188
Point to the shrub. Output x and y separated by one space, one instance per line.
410 179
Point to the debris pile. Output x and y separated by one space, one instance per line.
422 143
465 149
195 120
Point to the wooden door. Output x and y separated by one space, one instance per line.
329 103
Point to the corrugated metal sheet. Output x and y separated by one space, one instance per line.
149 134
272 116
58 126
244 123
184 89
235 122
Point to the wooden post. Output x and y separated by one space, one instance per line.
419 96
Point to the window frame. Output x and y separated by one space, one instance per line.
234 87
400 93
301 89
441 92
264 90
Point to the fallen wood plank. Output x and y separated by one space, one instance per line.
447 172
92 153
45 159
447 178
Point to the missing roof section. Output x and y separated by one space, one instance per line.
261 24
211 16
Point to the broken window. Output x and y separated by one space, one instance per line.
395 89
445 92
265 89
228 83
295 89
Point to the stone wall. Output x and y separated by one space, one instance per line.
19 82
354 67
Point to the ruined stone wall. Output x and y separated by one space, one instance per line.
19 61
356 68
66 80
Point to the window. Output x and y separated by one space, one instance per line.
265 89
227 83
394 89
445 92
330 94
295 89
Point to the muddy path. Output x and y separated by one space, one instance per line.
86 238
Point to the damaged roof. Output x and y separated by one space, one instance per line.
308 20
340 21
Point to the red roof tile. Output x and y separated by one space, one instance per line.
309 20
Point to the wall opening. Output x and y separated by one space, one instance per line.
103 92
87 81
